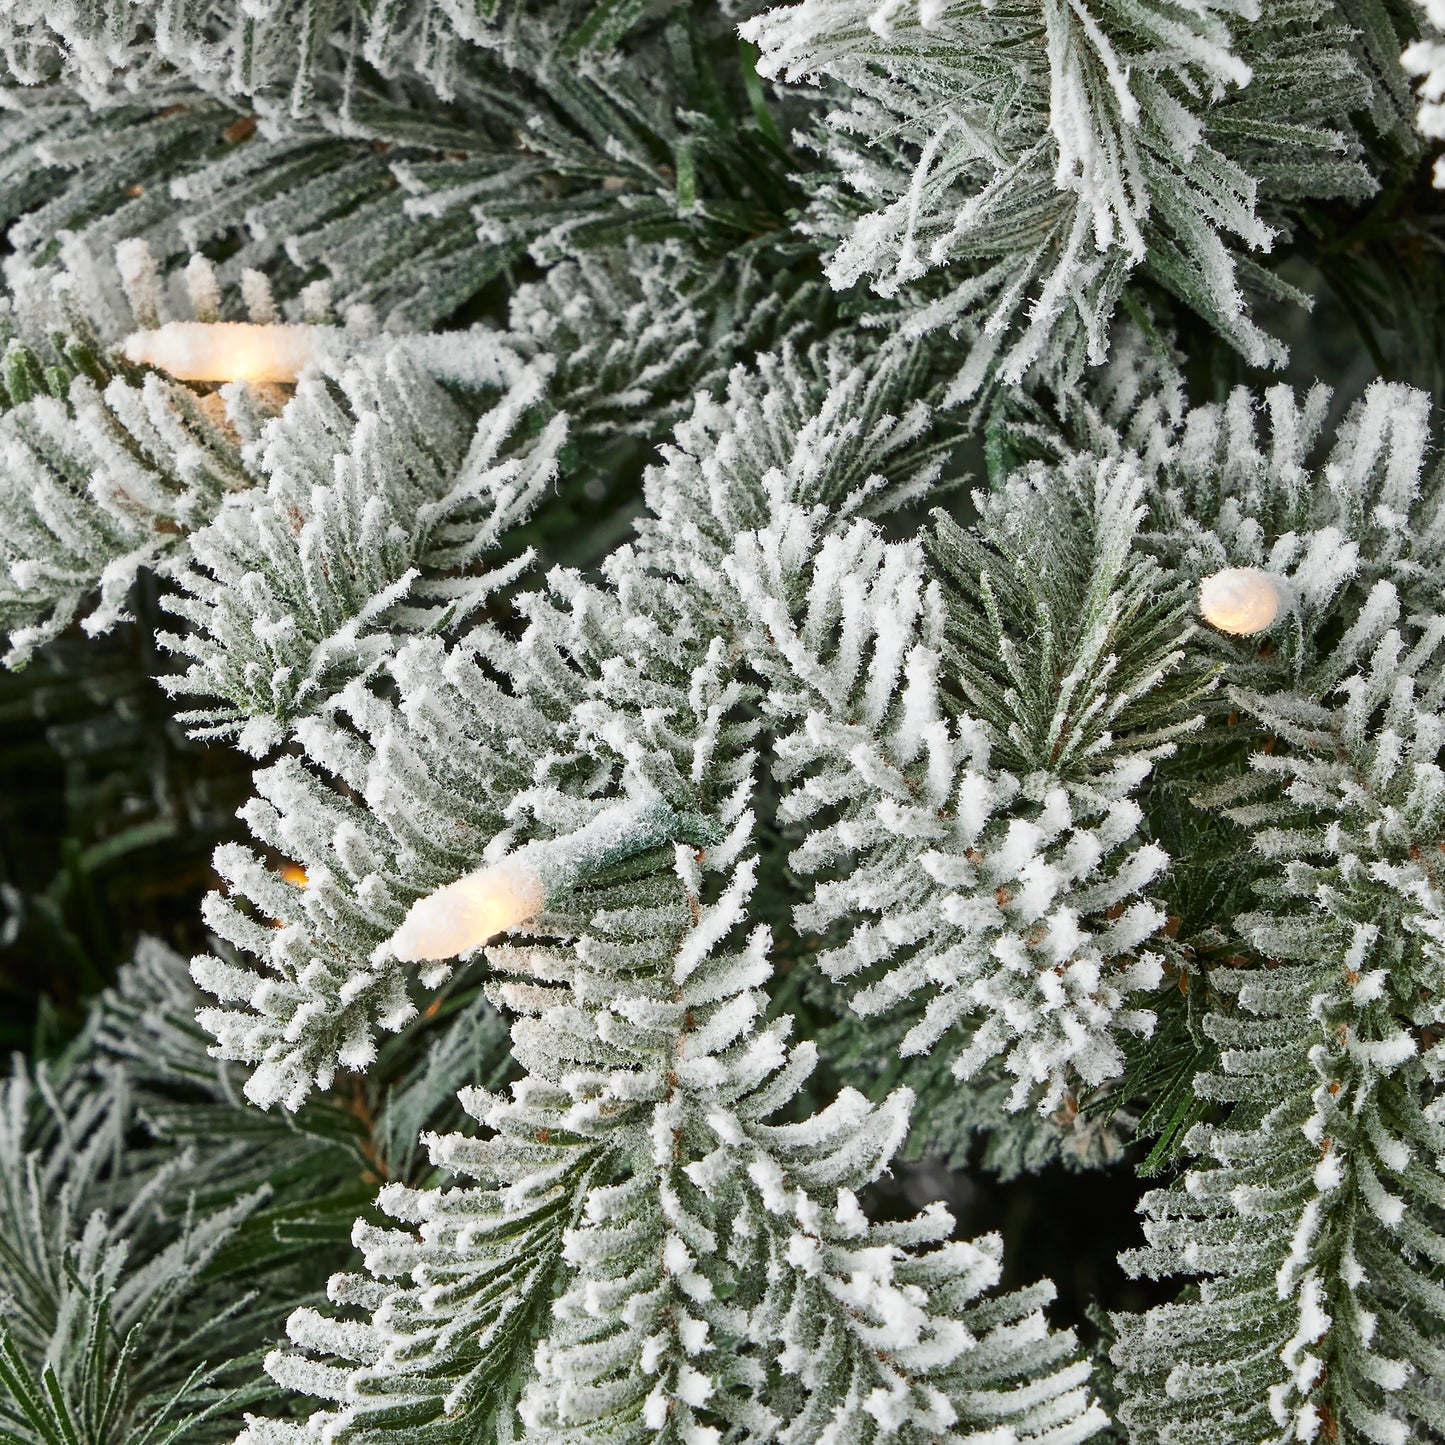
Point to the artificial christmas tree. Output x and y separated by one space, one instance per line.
707 624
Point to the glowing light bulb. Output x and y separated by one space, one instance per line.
1240 600
467 913
225 350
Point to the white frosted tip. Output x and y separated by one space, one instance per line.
469 912
225 350
1241 600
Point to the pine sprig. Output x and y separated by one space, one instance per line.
716 1272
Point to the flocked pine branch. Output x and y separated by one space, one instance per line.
1031 158
981 854
158 1229
1237 485
638 1250
637 333
1426 59
409 209
1312 1214
130 1307
106 472
1307 1213
290 51
114 469
852 635
378 513
446 780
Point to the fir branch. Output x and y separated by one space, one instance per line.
378 516
1035 156
716 1271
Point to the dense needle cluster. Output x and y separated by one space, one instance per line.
774 627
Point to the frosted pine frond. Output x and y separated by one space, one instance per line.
1426 60
965 1126
851 636
57 148
157 1229
1355 539
104 1267
638 1245
637 334
408 209
284 55
144 1032
112 470
147 1021
104 473
144 1029
219 47
314 995
379 513
1031 157
1306 1216
1102 679
822 432
624 331
493 742
1313 1213
980 852
385 212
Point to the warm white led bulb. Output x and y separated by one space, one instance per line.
466 914
1240 600
225 350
